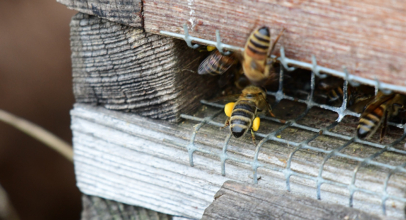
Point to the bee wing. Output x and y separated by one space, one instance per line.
377 101
226 62
216 64
203 67
359 106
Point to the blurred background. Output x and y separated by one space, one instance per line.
35 84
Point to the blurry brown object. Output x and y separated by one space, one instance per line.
38 133
35 83
7 211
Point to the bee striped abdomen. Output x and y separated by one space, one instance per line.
258 44
335 94
215 64
370 122
241 118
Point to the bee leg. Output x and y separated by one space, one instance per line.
226 124
384 127
253 137
270 110
271 61
396 108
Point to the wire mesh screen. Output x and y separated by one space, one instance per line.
375 156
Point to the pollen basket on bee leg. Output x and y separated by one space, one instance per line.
211 48
228 108
255 124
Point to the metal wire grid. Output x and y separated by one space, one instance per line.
353 80
341 111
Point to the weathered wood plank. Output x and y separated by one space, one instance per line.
124 68
96 208
368 37
246 201
134 160
128 12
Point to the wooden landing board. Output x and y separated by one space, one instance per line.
96 208
144 162
246 201
123 68
368 37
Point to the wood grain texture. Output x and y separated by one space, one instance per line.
368 37
246 201
144 162
128 12
124 68
96 208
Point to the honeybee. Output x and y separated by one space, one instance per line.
257 64
216 63
359 97
243 114
378 111
333 88
330 91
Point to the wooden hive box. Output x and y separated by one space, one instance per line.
126 75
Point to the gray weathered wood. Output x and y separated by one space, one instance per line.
128 12
144 162
368 37
247 201
124 68
96 208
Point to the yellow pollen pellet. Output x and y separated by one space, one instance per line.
228 109
255 124
210 48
